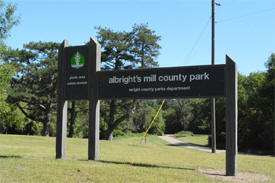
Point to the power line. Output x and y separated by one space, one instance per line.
247 15
197 40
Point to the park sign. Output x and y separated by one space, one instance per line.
76 72
173 82
80 78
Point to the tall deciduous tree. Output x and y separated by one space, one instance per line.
7 21
34 86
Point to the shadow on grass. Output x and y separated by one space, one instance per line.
10 157
188 144
144 165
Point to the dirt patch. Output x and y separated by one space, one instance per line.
242 177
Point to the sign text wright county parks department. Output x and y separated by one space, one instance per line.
173 82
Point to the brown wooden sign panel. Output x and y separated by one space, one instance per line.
173 82
76 75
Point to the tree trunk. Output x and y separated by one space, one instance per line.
111 135
110 130
73 114
113 126
46 124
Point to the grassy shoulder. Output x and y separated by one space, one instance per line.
189 137
125 159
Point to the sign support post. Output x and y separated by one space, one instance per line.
94 103
231 90
62 106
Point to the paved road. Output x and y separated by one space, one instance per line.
176 142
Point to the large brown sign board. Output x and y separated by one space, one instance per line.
173 82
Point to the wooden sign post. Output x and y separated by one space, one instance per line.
231 90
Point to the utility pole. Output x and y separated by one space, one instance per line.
213 101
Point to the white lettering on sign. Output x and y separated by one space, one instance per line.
161 78
199 77
160 89
124 79
77 83
179 77
77 77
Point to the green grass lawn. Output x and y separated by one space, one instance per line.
197 139
32 159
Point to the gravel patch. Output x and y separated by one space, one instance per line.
242 177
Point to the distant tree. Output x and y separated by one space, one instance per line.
72 113
255 111
201 116
33 88
115 46
178 115
269 92
143 116
145 45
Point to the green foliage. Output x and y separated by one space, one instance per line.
115 49
6 72
145 45
10 117
183 134
201 116
124 50
255 111
34 86
81 128
178 115
144 113
7 19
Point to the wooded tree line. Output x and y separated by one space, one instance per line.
28 86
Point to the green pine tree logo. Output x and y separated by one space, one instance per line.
77 60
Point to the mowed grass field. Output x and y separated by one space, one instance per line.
197 139
32 159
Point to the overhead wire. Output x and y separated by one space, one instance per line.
220 21
197 41
247 15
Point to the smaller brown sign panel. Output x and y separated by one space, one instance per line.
76 80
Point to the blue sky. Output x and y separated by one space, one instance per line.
245 29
